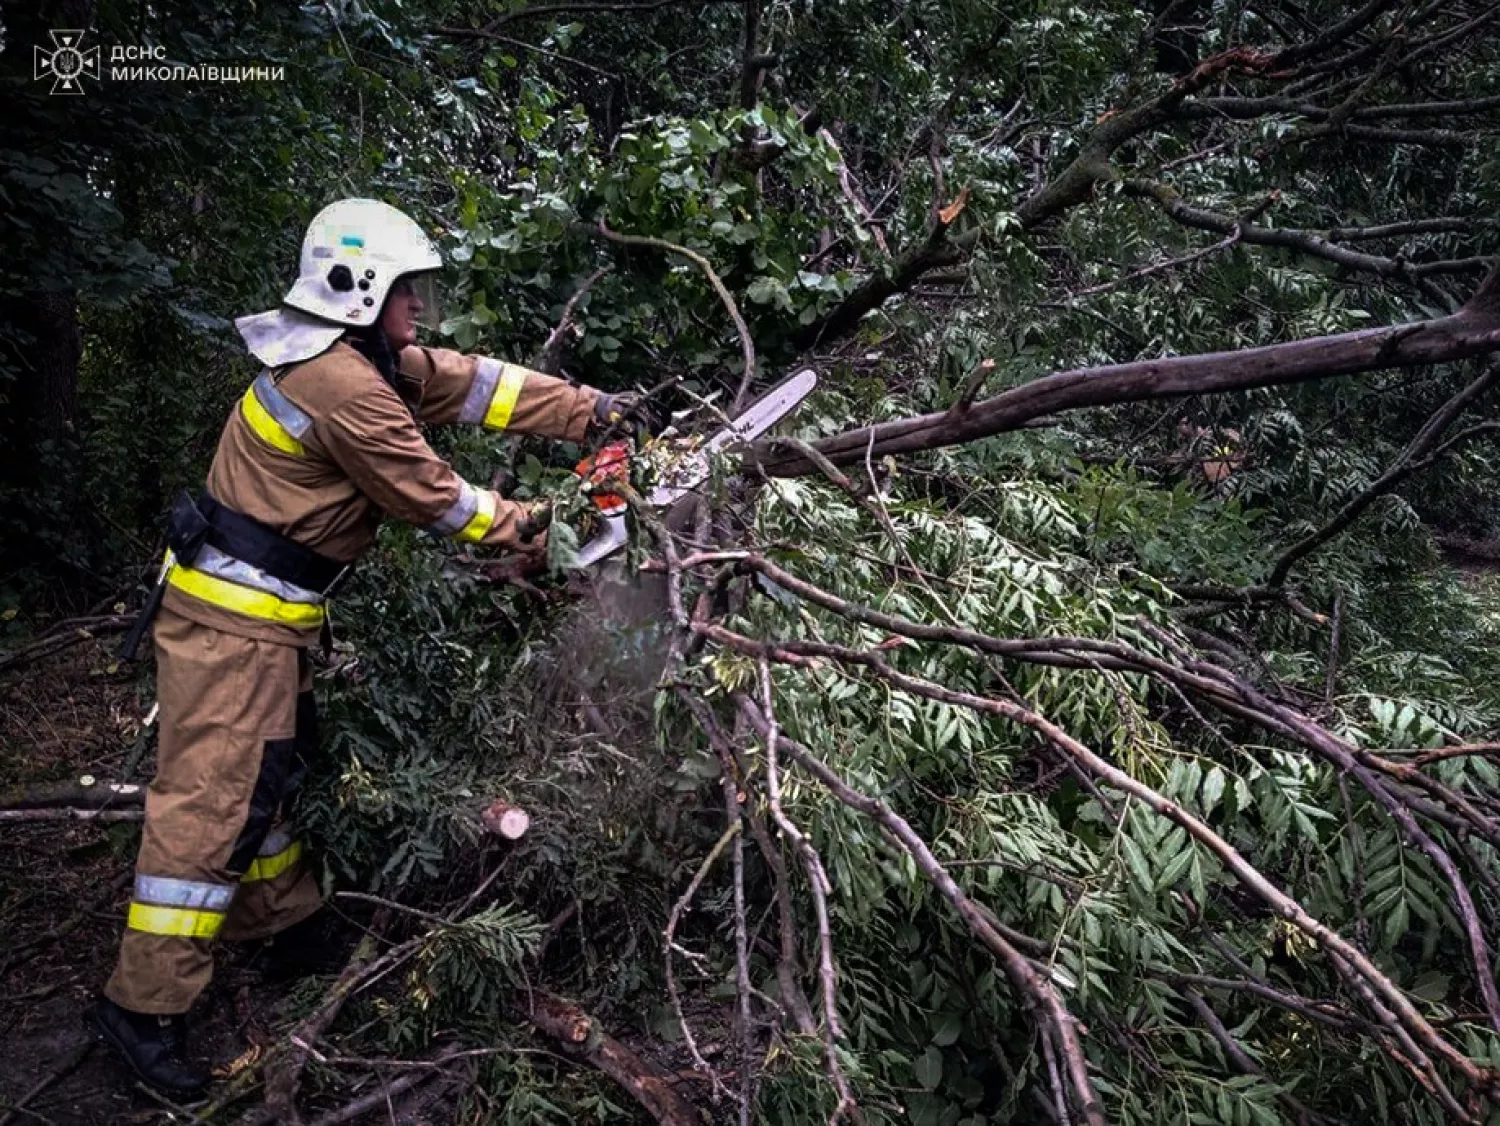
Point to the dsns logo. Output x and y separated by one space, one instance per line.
66 63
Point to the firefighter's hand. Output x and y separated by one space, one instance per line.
610 410
643 415
534 526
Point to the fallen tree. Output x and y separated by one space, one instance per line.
1139 766
1473 331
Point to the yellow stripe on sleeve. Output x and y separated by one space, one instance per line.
503 402
479 523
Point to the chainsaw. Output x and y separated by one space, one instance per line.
682 465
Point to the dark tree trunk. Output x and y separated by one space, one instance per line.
43 356
41 346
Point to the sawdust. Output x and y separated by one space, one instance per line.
604 659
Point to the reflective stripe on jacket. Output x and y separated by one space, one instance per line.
323 451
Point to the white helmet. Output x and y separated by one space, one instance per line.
353 252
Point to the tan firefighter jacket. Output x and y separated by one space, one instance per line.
322 451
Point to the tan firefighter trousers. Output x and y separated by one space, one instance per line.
238 726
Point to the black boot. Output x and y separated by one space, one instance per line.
152 1046
313 946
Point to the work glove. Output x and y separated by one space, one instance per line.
612 409
538 519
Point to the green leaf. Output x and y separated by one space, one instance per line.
1175 868
947 1027
1396 923
929 1069
1431 986
1136 861
1213 789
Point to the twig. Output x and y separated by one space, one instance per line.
181 1113
1426 756
69 1064
1330 680
391 904
1238 1057
25 951
817 879
284 1070
51 644
669 944
1158 267
1060 1102
747 346
856 200
1419 453
792 995
365 1103
743 988
548 358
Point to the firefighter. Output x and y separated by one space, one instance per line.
323 445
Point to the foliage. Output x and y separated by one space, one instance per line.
167 213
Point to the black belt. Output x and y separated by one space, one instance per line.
206 521
192 524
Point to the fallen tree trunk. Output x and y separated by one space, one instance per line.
84 793
55 641
581 1036
72 814
1473 331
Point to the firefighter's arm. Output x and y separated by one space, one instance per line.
374 440
496 395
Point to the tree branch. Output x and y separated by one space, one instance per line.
1434 226
852 194
1472 331
581 1036
1035 990
669 945
1414 457
747 346
1305 242
549 356
1075 184
1157 267
896 276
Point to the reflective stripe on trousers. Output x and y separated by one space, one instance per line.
186 908
276 855
194 909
